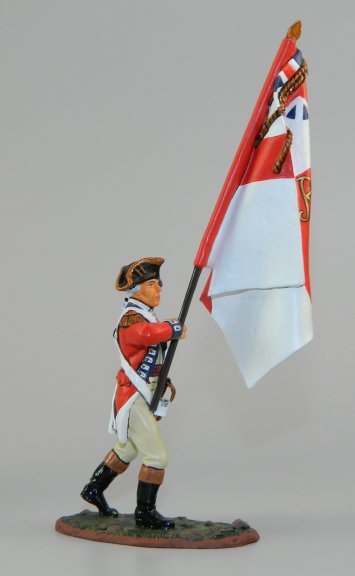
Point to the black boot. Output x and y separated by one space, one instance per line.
146 514
93 492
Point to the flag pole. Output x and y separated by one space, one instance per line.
173 344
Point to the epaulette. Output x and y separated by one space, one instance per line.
131 318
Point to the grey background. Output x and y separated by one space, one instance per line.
119 120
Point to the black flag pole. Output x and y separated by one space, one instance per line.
173 344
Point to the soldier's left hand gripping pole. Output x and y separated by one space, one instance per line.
173 344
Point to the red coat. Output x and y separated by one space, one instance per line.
134 341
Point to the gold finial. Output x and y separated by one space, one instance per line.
295 30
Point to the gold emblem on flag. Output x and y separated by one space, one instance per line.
306 192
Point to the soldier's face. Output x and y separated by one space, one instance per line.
149 293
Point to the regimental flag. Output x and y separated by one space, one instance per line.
256 243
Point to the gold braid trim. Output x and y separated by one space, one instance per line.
291 85
282 157
135 268
267 124
131 318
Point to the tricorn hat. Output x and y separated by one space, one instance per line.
137 272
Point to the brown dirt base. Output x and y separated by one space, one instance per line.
187 533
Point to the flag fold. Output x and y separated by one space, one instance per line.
256 243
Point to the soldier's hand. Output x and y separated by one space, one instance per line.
183 333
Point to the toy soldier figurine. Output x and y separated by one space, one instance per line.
141 340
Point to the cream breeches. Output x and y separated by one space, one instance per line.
143 438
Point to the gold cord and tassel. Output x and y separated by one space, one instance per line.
290 86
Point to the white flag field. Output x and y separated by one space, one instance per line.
256 243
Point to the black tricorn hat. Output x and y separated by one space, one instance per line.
137 272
